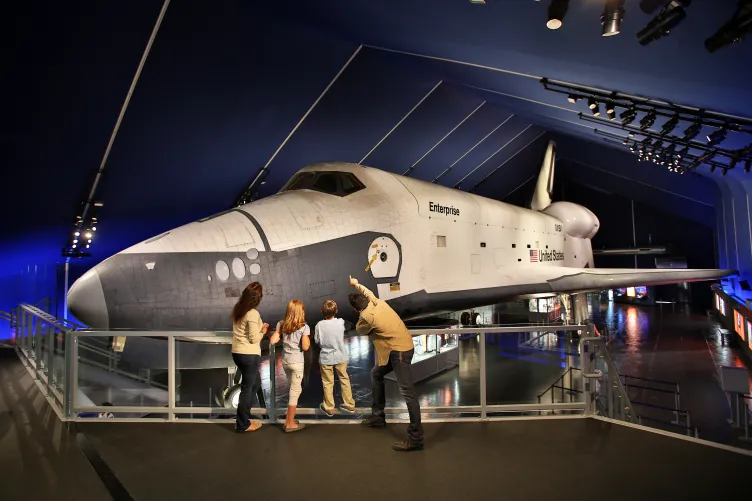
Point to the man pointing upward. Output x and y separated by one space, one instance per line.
394 352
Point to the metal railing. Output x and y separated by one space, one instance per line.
56 353
604 392
559 384
741 415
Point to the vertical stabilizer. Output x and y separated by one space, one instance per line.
545 184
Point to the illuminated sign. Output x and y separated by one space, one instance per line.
722 306
749 334
630 292
717 302
739 324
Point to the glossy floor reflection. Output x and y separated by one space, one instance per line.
672 343
519 368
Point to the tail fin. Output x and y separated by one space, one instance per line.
545 186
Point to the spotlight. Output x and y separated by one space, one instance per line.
610 107
573 99
628 120
670 149
669 17
89 241
596 110
77 234
557 9
75 241
87 246
692 131
646 141
592 103
748 165
88 235
611 114
93 228
612 16
669 126
73 246
733 31
632 110
716 137
648 120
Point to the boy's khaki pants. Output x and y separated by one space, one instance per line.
327 378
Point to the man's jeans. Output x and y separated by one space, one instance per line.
399 362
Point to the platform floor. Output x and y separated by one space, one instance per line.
526 460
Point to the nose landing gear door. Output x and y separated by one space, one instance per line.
384 258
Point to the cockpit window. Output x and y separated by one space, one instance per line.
339 184
326 182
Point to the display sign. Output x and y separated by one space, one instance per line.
739 324
749 334
722 306
717 302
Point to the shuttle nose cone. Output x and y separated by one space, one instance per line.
86 301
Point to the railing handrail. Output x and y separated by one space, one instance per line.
64 325
653 406
627 376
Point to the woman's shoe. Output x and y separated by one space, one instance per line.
292 430
255 425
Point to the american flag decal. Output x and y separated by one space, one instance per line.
534 256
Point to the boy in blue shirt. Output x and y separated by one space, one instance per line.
330 335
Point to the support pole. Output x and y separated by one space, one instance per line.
483 396
171 377
65 288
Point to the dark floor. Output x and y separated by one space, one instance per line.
39 459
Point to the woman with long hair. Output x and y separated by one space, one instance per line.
295 335
247 332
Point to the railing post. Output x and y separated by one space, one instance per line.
271 408
746 423
171 377
50 358
483 402
70 385
36 329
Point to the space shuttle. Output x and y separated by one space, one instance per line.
425 248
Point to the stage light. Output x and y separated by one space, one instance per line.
628 120
613 13
646 141
557 10
94 228
573 99
87 246
73 246
632 110
592 103
596 110
733 31
716 137
669 126
77 234
692 131
648 120
88 235
75 241
611 114
669 17
610 107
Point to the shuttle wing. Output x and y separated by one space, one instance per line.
577 279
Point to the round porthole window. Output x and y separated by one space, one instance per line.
255 269
238 268
252 253
223 271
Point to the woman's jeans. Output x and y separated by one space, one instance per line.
248 365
